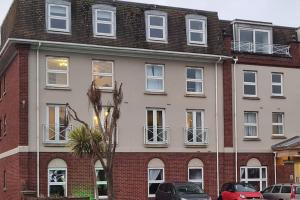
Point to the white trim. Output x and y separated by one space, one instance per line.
277 84
162 77
260 180
19 149
196 180
250 83
57 72
203 32
164 27
67 18
195 80
104 74
59 183
112 23
155 181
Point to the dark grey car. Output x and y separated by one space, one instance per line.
285 191
180 191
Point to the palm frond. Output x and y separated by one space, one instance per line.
80 141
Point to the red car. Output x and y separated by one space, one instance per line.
238 191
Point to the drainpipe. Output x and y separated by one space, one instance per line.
38 120
275 169
217 124
235 59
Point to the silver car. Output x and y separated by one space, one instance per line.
286 191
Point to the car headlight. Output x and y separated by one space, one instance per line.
242 196
183 199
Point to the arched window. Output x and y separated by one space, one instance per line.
195 172
254 174
156 175
101 180
57 178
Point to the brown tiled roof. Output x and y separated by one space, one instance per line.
26 19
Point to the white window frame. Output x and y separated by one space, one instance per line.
194 80
60 183
251 124
250 83
57 72
278 124
57 124
197 18
104 74
154 181
196 180
67 18
277 84
155 77
164 16
155 110
100 183
104 8
253 37
246 179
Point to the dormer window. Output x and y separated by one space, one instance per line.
196 30
104 20
58 16
156 26
255 40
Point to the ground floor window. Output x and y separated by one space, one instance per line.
57 182
155 177
256 176
101 183
196 175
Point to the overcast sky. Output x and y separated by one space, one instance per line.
280 12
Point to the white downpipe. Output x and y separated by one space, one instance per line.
235 125
217 124
38 120
275 169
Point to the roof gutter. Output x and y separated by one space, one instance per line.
133 51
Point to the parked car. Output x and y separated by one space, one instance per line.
180 191
237 191
285 191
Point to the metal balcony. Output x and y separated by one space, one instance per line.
56 134
260 48
196 136
157 136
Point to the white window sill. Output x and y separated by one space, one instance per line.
155 93
197 44
105 36
251 139
59 32
157 41
251 97
197 95
57 88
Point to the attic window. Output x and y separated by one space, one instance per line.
156 26
104 20
196 27
58 16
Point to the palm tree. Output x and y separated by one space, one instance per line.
98 142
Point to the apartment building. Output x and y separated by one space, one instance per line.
181 118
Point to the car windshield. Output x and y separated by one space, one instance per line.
244 188
189 189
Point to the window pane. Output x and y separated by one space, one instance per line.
196 25
276 78
104 28
249 77
264 173
155 174
286 189
57 63
57 78
250 89
58 23
194 86
103 81
153 188
195 174
57 176
276 189
194 73
253 173
250 117
277 129
246 36
198 120
156 21
250 131
243 173
102 67
198 37
255 184
189 120
100 175
58 11
154 84
104 16
276 89
154 70
156 33
150 118
102 190
159 119
277 117
57 190
261 37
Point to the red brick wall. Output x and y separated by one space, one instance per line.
11 103
284 172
